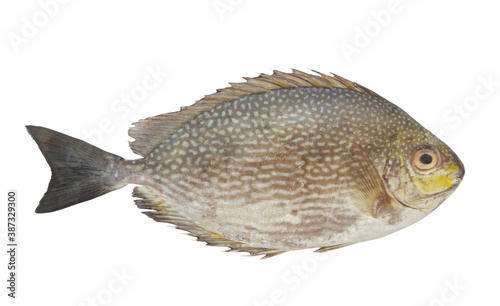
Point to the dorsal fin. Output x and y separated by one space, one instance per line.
149 132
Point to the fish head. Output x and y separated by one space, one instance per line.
421 170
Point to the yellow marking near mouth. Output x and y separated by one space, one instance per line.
437 182
452 168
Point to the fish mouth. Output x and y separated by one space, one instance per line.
457 176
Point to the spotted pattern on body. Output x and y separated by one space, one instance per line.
280 162
276 167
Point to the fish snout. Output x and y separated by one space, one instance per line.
457 173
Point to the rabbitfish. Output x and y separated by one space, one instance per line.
280 162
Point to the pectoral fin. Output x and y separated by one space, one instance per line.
371 194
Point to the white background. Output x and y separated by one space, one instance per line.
428 57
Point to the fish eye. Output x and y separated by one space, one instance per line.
426 159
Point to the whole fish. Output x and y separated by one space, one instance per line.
280 162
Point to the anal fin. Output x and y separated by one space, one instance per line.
333 247
149 198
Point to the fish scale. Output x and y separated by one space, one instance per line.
281 162
287 126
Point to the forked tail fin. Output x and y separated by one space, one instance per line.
80 171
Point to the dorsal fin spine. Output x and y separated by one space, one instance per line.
149 132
